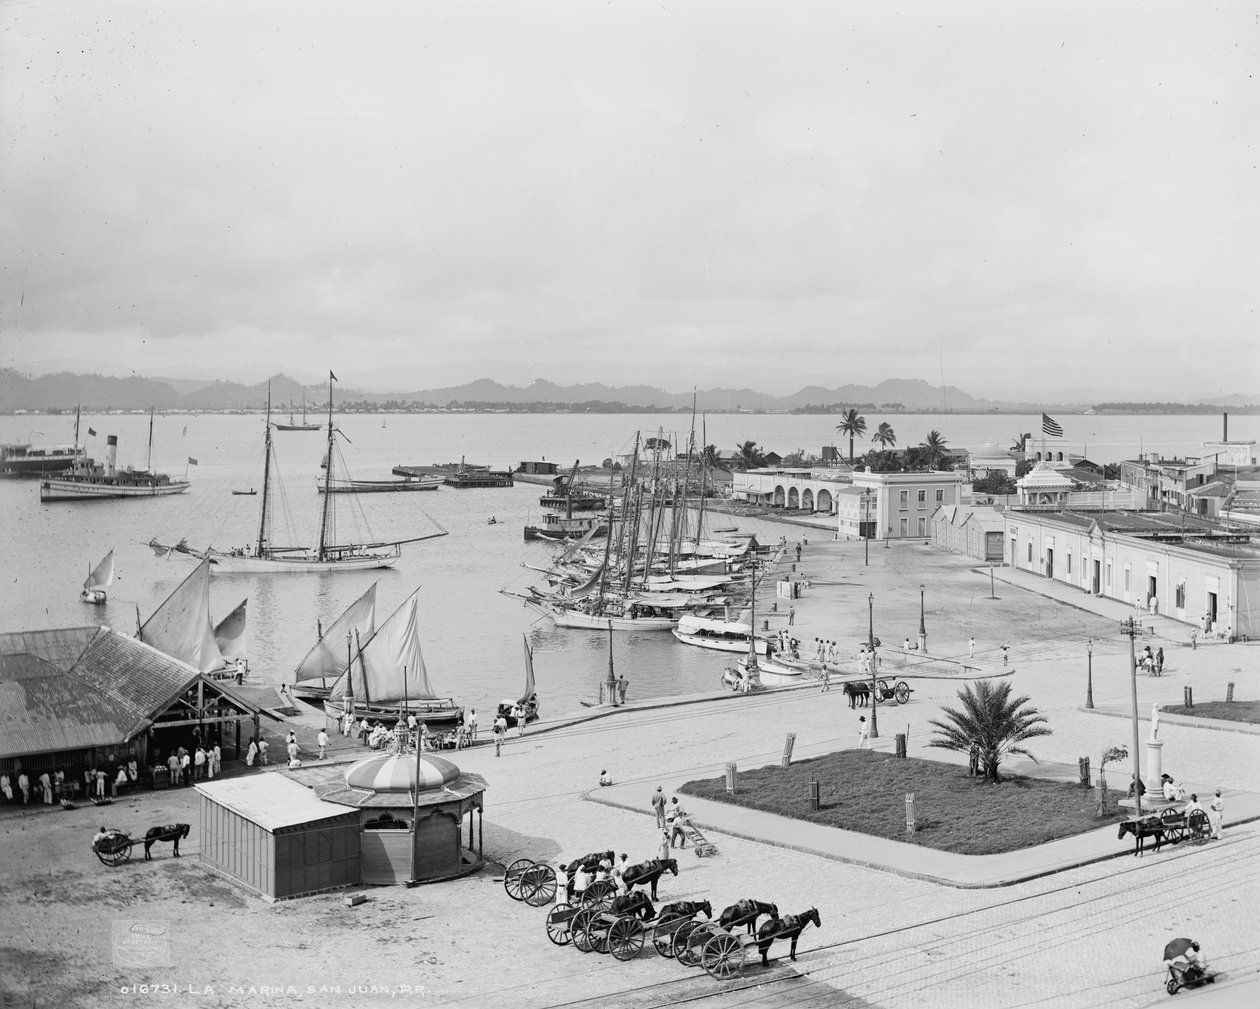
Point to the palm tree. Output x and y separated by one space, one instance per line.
885 435
851 423
750 456
934 448
992 718
711 457
1020 443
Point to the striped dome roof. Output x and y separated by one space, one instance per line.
387 772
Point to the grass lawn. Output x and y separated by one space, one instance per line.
1234 711
864 791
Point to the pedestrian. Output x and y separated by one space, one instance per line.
1159 661
826 678
863 732
564 882
906 646
293 752
677 818
185 766
520 720
1194 639
199 763
798 551
618 874
971 647
973 759
45 786
604 779
172 765
1216 813
581 880
472 724
658 804
364 729
347 727
252 753
622 686
791 616
663 852
500 729
411 722
322 740
1005 654
263 746
6 786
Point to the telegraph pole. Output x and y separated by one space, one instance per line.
1130 628
870 601
1089 689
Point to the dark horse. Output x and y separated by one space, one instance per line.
1148 826
649 872
590 862
171 832
746 912
635 905
857 693
686 909
788 927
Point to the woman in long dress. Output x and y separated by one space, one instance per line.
251 753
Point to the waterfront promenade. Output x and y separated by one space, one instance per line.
892 935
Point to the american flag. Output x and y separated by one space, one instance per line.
192 461
1050 426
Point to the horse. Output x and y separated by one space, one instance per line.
590 861
686 909
746 912
634 905
171 832
1148 826
649 872
857 693
788 927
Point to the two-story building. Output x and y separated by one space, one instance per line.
900 505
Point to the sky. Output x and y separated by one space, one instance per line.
1011 198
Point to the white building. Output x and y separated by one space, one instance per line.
901 504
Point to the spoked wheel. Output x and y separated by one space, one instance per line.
663 938
678 943
599 894
625 938
723 956
560 924
901 692
581 938
538 885
1172 986
884 688
117 854
696 941
513 875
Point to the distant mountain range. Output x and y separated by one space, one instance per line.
65 391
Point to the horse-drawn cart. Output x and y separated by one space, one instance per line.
859 691
626 926
113 848
530 881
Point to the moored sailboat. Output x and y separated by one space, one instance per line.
181 627
329 657
293 425
98 580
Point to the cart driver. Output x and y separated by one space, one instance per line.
1197 961
101 835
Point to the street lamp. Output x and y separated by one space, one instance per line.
1089 689
870 643
1130 628
866 522
922 625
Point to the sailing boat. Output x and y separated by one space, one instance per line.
328 657
263 556
293 425
529 699
181 628
98 580
386 679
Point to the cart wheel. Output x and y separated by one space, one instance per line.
625 938
663 938
581 938
559 924
1172 986
696 941
538 885
723 956
902 692
119 853
599 894
678 944
512 877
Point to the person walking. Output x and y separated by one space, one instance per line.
1159 661
263 746
826 678
199 763
322 740
791 616
45 786
864 732
500 729
677 823
658 805
520 720
1216 813
622 686
252 753
971 647
471 722
798 551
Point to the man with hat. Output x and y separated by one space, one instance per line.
658 804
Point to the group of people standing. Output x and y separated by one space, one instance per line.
671 820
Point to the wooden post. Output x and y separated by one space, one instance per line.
730 777
909 812
787 749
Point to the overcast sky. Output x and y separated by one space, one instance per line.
1020 196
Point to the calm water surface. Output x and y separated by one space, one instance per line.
472 634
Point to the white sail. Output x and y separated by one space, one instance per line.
101 576
180 627
328 657
529 672
389 667
229 634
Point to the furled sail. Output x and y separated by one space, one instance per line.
180 627
229 634
101 576
529 672
389 666
588 586
330 654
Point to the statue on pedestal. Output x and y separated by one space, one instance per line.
1155 720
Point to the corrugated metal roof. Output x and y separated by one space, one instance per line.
24 667
47 714
62 646
272 801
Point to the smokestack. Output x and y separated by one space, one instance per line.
111 454
1225 433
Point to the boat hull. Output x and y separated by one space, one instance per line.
594 622
231 565
718 644
383 486
94 596
107 489
437 716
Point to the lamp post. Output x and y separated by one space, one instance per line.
1130 628
870 643
922 625
1089 689
866 522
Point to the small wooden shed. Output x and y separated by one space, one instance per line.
276 837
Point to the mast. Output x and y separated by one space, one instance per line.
148 463
76 428
323 522
262 517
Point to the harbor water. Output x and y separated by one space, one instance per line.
472 634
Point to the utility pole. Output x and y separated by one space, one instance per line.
1089 690
1130 628
866 522
922 625
870 601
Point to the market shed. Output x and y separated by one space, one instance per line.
411 814
276 837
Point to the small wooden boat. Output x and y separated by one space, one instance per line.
98 580
245 493
382 486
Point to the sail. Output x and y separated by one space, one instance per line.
229 634
389 666
180 627
329 655
101 576
529 672
588 586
